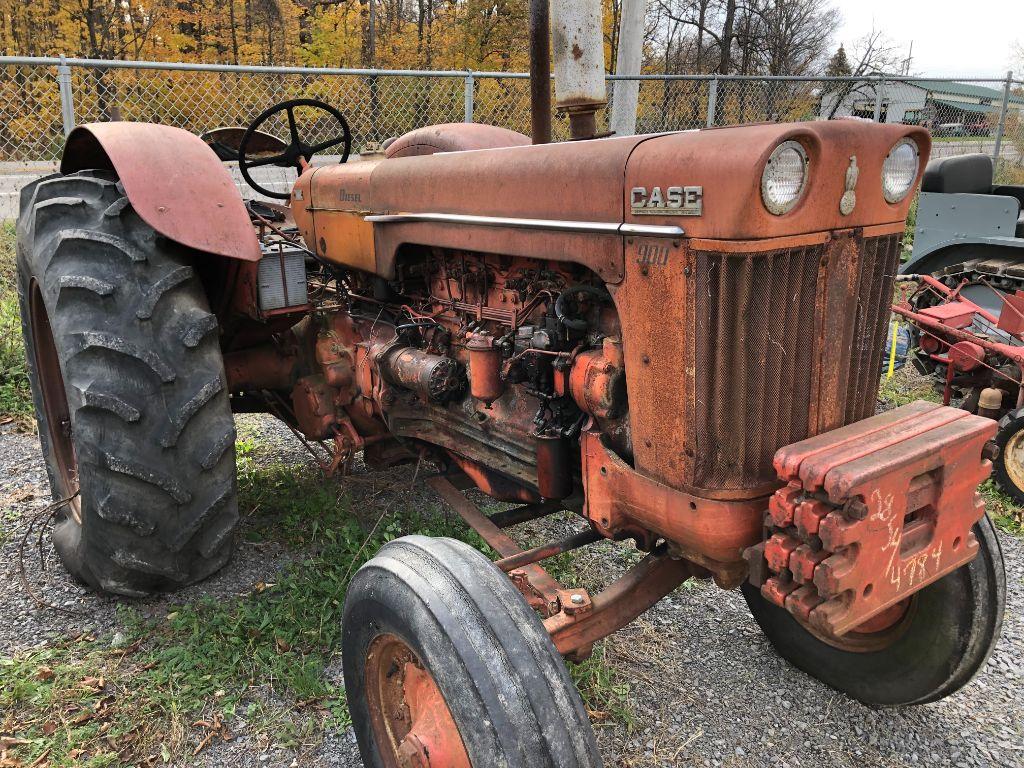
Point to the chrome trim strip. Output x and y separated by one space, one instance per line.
559 225
658 230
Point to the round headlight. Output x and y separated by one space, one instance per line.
899 170
784 177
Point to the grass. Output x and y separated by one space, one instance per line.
15 396
906 386
908 232
1010 173
175 679
1007 515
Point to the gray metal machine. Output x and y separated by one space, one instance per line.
970 229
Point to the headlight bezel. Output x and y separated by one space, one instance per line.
775 206
891 197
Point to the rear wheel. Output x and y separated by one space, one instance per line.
920 650
1008 466
446 666
128 381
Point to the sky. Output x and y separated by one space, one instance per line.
951 37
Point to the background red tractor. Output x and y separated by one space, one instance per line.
676 337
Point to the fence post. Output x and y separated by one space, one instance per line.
468 99
1001 125
712 102
67 101
879 85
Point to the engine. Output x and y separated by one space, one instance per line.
498 362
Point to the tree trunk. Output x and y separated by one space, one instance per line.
725 58
234 31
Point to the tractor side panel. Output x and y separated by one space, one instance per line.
174 181
330 204
575 182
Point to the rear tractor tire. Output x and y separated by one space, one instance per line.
129 390
918 651
446 666
1008 466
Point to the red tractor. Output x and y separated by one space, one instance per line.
675 336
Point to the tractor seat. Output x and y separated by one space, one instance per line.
972 175
961 174
453 137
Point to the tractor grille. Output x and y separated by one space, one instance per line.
785 344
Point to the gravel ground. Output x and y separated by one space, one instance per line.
707 689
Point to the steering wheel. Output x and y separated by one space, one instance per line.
298 153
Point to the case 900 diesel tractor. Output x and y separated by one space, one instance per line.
675 336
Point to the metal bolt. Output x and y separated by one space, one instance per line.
577 599
686 271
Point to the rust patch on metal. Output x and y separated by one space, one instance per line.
165 171
410 719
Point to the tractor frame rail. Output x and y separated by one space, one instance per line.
573 618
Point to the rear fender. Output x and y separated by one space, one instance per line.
173 180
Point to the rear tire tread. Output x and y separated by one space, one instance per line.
151 421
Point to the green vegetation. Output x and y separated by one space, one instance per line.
1007 515
908 233
15 396
175 679
1010 173
905 386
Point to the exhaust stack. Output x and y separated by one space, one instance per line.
577 42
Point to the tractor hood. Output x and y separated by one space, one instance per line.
570 181
723 167
574 201
600 180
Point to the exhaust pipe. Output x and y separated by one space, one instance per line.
578 45
540 73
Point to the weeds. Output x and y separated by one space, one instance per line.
15 395
908 232
261 657
1005 513
906 386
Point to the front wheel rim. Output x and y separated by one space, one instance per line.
411 723
53 394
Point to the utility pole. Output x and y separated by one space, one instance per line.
626 93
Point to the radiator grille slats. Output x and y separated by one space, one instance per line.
751 364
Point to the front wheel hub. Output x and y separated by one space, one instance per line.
410 719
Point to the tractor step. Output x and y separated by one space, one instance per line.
871 513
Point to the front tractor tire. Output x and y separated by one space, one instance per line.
447 666
920 651
129 388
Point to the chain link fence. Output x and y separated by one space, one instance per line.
42 99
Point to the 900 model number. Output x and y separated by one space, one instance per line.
674 201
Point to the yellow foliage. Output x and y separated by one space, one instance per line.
428 34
